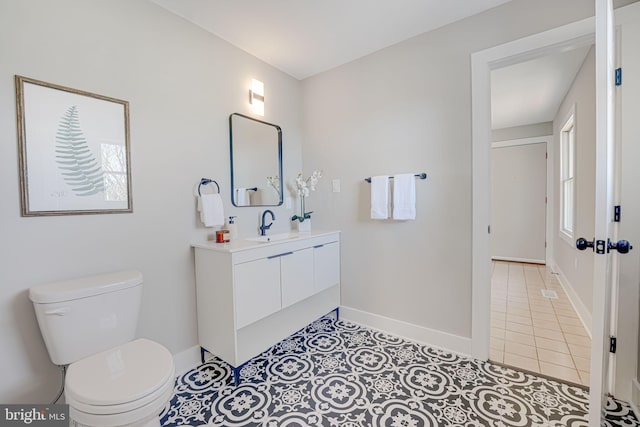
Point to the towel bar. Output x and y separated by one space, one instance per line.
205 181
417 175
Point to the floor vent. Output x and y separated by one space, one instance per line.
549 293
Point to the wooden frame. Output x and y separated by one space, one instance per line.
73 148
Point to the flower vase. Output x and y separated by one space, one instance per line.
304 226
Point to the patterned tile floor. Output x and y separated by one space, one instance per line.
334 373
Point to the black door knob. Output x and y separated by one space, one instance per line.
622 246
583 243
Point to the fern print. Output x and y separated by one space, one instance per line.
80 169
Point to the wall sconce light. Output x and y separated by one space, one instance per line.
256 96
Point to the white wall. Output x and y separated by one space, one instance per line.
575 266
518 207
519 132
182 84
407 108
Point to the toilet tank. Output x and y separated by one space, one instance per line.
81 317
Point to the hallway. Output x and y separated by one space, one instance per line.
533 324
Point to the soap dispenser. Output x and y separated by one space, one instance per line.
233 228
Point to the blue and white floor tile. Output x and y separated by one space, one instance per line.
335 373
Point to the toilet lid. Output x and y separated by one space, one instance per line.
120 375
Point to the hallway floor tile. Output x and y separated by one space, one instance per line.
534 325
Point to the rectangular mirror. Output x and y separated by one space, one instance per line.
256 162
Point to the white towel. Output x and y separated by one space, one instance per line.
404 196
211 210
379 197
243 197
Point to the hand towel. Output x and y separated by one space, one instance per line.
243 197
379 197
404 196
211 210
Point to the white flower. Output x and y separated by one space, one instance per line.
274 182
305 185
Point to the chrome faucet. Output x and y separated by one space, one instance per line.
264 227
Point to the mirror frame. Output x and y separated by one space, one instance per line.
279 130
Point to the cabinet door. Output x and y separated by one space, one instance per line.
256 290
296 276
326 265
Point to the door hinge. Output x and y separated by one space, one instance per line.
601 247
613 344
618 76
616 213
488 229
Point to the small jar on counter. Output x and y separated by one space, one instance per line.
222 236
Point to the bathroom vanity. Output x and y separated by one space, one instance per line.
252 293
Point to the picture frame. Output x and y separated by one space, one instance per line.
73 150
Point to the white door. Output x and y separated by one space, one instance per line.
256 291
518 205
296 271
326 265
605 264
625 327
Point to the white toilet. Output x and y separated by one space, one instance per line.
90 324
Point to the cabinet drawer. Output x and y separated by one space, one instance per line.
256 290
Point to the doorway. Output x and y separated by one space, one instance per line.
575 35
605 275
534 324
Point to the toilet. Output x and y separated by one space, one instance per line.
113 379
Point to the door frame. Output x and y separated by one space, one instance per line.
547 140
570 36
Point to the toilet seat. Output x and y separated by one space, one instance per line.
135 418
121 385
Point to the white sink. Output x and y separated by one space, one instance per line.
274 237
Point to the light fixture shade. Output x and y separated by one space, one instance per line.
257 97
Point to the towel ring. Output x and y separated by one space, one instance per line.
205 181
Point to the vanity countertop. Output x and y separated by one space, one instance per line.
246 243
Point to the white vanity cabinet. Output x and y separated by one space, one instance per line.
251 295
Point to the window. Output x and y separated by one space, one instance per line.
567 177
114 165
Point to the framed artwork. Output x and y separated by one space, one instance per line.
73 149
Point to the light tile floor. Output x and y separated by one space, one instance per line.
533 332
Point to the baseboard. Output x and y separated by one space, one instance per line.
512 259
581 310
187 359
420 334
635 397
190 358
